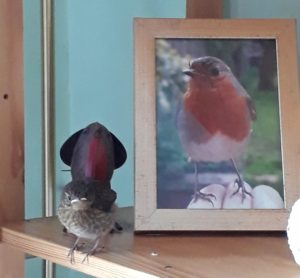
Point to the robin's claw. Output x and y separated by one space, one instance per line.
91 252
212 196
241 186
72 250
86 258
94 249
204 196
71 255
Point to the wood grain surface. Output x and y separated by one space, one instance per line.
11 126
204 8
160 255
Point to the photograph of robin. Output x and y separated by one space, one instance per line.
218 124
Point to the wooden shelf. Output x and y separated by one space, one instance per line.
161 255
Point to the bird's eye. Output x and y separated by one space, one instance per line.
68 196
214 71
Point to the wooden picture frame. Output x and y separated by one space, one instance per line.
150 217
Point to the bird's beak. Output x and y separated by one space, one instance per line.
79 204
75 201
189 72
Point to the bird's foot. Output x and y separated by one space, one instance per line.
72 250
86 258
203 196
91 252
242 188
71 254
94 249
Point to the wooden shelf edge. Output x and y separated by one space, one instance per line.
44 238
164 255
58 254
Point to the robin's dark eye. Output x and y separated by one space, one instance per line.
214 71
68 196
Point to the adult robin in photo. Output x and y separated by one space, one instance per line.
214 121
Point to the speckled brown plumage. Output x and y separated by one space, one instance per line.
78 212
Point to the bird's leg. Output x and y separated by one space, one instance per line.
197 193
196 185
240 183
92 250
71 251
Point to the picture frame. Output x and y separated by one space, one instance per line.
149 216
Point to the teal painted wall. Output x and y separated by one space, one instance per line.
62 95
33 120
94 80
261 8
32 103
264 9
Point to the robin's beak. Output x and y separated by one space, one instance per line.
79 204
76 200
190 72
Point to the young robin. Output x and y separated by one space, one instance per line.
214 121
81 212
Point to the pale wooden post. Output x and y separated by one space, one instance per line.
11 127
204 8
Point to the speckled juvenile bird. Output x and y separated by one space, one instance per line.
88 202
82 213
214 121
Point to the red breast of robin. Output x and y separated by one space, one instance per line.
216 103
